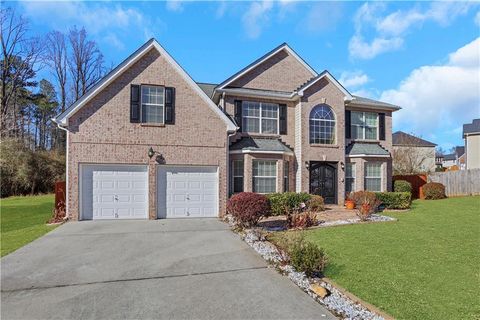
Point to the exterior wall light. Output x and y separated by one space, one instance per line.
342 165
307 165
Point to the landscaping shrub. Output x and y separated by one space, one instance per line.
316 203
402 186
366 203
306 256
434 191
247 208
395 200
287 202
302 220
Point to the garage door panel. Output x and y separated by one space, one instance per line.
114 192
187 192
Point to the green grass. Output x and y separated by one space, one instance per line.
23 219
425 266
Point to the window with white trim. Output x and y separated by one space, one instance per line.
260 117
286 174
153 104
264 176
373 176
322 125
364 125
237 176
350 171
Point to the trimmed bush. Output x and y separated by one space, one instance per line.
395 200
316 203
402 186
247 208
287 202
434 191
306 257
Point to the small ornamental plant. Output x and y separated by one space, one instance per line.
366 203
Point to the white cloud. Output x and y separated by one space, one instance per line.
439 97
352 79
323 16
96 18
360 48
256 17
389 30
174 5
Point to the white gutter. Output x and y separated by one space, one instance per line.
66 167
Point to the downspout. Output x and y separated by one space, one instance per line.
66 168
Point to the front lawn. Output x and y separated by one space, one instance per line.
425 266
23 220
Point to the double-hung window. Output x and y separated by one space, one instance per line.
153 104
260 117
237 176
350 177
364 125
264 176
373 176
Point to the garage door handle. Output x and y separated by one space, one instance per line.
116 197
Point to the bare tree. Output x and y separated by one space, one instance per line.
86 63
410 158
56 58
20 58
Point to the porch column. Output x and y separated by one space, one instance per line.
247 173
280 182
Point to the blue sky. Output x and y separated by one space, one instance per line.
423 56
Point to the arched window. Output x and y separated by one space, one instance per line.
322 125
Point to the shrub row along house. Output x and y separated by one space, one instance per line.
149 142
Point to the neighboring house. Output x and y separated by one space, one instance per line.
149 142
456 158
471 135
412 154
439 158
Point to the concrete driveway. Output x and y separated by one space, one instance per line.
173 269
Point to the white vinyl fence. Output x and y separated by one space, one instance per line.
458 183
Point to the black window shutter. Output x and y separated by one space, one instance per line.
283 118
238 113
169 105
134 103
348 127
381 125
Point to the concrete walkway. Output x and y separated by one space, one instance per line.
173 269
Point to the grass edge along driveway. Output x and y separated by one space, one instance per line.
23 219
424 266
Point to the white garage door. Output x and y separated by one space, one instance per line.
114 192
187 192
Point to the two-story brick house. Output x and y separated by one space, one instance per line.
149 142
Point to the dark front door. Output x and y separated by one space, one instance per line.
323 180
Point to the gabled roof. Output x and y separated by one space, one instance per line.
268 55
259 145
459 150
360 149
208 88
62 119
324 74
470 128
370 103
401 138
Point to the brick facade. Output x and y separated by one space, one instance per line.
101 131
